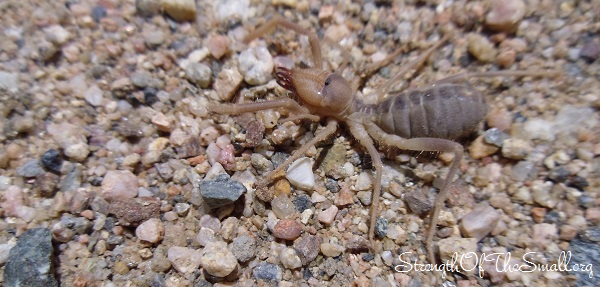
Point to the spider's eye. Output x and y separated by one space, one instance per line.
327 81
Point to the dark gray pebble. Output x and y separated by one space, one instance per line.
381 227
302 202
30 262
221 191
52 161
31 168
267 271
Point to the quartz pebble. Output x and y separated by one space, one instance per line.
71 138
300 174
331 249
151 230
199 74
543 233
227 83
481 48
183 259
256 65
515 148
479 148
504 16
453 246
479 222
217 260
328 215
289 258
119 184
283 207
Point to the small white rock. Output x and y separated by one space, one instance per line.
256 65
328 215
363 182
151 230
300 174
183 259
479 222
289 258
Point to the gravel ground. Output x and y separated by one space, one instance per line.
114 173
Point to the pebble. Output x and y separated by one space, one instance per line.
227 83
365 197
307 248
31 168
180 10
451 246
243 248
221 191
479 222
331 249
558 174
256 65
283 207
217 260
381 227
333 162
9 81
71 138
540 191
357 244
31 261
418 202
153 38
261 163
344 197
229 228
184 260
539 129
495 137
205 235
480 149
199 73
93 96
148 7
287 229
218 46
328 215
302 202
57 34
516 148
151 230
306 215
289 258
119 184
300 174
590 51
134 212
363 182
588 254
504 16
267 271
182 209
522 170
544 233
481 48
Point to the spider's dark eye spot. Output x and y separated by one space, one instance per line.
327 81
